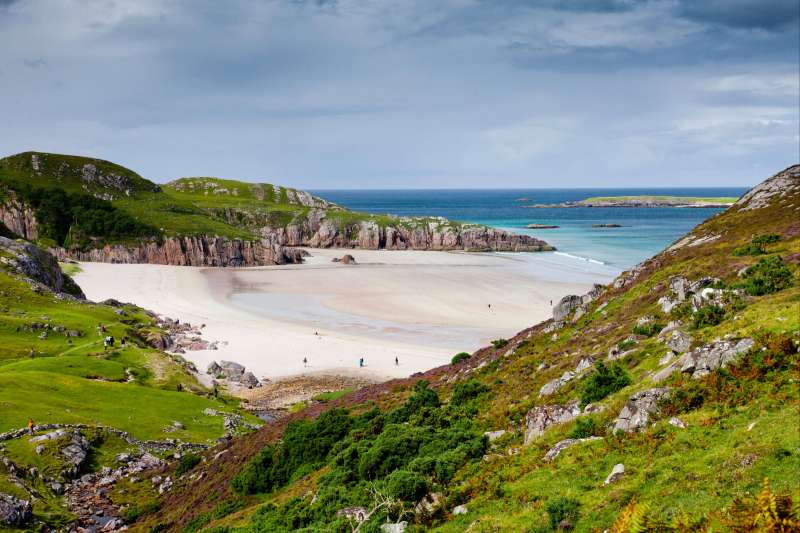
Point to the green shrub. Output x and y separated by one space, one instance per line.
648 329
560 509
624 345
757 245
186 463
466 391
406 486
461 356
499 343
585 426
602 382
767 276
708 315
422 397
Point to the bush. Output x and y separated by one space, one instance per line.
466 391
624 345
757 245
499 343
648 329
561 508
602 382
585 426
708 315
187 462
406 486
767 276
461 356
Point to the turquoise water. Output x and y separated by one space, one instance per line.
645 231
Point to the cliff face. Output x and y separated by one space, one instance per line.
19 217
319 232
190 251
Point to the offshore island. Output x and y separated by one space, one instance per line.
643 201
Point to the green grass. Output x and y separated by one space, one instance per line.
333 395
70 269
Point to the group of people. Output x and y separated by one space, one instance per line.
109 340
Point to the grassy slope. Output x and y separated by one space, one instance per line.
79 382
698 471
188 206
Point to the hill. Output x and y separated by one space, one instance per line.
666 401
89 209
95 409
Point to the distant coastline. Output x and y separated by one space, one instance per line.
643 201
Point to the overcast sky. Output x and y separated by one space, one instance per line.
411 93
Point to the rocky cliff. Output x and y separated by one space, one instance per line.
18 217
319 231
189 251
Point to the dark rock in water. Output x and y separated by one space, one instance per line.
606 225
13 511
542 226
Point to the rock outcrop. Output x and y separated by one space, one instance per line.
190 251
542 417
13 511
36 266
636 413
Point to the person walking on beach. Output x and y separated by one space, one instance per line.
396 361
361 363
489 306
305 361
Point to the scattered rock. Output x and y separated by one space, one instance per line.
542 417
701 361
214 369
666 359
552 386
494 435
399 527
637 410
460 509
249 380
13 511
542 226
616 474
677 422
346 259
359 514
563 445
679 342
429 503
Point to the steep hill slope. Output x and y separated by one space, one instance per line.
665 401
90 209
88 403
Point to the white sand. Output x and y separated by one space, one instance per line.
422 307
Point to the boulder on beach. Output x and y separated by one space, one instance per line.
346 259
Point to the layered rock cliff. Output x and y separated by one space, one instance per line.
35 266
18 217
189 251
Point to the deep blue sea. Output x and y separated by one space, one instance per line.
645 231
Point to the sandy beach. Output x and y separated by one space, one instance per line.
417 306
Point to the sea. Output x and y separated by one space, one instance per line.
643 232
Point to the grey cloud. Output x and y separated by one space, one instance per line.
764 14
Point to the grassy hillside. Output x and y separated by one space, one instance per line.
716 449
88 202
54 370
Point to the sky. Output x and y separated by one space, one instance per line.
329 94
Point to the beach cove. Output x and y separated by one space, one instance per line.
420 307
